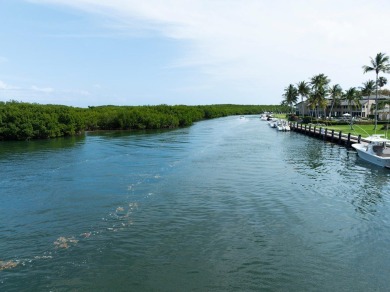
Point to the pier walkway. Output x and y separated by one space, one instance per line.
321 132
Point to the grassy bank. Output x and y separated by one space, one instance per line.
363 130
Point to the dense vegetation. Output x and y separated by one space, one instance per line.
24 121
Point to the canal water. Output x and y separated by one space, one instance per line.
225 205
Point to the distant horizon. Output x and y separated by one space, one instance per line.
140 105
79 53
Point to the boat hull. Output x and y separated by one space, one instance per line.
377 160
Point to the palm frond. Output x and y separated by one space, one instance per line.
367 69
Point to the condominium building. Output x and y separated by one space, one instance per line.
365 108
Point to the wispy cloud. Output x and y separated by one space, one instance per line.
6 86
78 92
3 85
254 38
34 93
42 89
249 47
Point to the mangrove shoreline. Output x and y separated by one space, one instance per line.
27 121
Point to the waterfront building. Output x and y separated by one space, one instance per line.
365 108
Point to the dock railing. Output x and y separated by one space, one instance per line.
321 132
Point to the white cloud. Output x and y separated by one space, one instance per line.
3 85
6 86
266 44
49 90
42 89
80 92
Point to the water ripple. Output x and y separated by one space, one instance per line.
225 205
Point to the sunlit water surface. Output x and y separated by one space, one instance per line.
225 205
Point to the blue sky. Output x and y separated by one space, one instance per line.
89 52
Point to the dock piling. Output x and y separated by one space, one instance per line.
326 134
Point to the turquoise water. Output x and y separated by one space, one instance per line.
225 205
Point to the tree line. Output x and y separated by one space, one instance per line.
25 121
318 90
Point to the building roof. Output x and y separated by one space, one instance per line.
363 100
379 97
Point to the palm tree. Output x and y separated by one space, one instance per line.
291 95
312 104
323 103
319 85
303 91
382 104
319 81
368 89
352 96
335 92
337 100
316 100
379 64
382 81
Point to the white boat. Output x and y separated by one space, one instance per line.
265 116
279 125
282 125
375 150
273 123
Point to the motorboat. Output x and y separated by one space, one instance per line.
283 125
279 125
273 123
265 116
375 149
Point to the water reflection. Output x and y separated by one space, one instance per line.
14 148
306 153
125 133
314 155
373 184
337 172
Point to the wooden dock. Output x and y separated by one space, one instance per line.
321 132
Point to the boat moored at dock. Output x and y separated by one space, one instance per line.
376 150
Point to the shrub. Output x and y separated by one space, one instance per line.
292 118
307 120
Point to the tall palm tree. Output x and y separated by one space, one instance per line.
319 81
379 64
291 95
312 103
323 103
382 81
353 98
319 85
335 92
337 100
368 89
303 91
